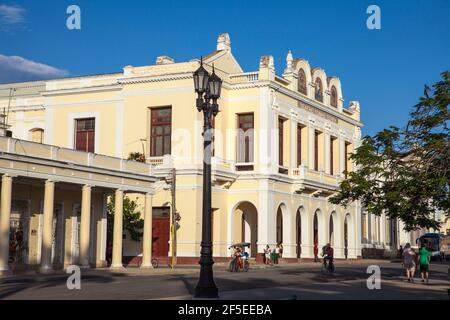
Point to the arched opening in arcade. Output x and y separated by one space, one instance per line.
245 226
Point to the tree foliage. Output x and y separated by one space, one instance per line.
405 172
132 221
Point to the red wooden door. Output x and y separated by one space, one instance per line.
161 236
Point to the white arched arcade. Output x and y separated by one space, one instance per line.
243 222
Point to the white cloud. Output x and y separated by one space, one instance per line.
16 69
10 15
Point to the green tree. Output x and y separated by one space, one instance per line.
405 172
132 221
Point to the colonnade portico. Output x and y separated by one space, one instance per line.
88 178
84 260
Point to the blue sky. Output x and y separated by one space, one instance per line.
384 69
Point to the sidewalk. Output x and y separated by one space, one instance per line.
188 269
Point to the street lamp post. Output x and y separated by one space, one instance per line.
208 89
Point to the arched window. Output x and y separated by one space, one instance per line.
37 135
319 90
302 82
333 101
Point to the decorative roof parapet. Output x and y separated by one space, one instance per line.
164 60
266 68
224 42
289 63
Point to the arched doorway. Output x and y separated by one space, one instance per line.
298 233
349 237
244 225
285 231
345 238
331 228
316 235
279 225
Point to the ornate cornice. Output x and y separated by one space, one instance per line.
111 87
158 78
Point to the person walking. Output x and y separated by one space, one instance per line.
281 249
267 254
424 262
409 258
277 254
442 250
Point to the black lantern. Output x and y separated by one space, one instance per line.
214 86
208 88
201 78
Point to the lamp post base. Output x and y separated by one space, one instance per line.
206 287
206 293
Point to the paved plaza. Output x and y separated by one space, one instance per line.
290 281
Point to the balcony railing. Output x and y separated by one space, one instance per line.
222 164
303 173
162 161
297 173
244 77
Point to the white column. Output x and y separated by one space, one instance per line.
265 137
311 151
307 237
369 228
5 216
275 152
293 143
323 233
266 218
102 227
147 237
327 152
338 230
289 233
85 226
357 237
383 229
118 231
47 234
342 156
403 235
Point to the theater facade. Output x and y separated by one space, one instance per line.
281 146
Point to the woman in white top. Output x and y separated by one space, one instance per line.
267 253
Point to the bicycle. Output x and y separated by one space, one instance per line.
237 264
328 268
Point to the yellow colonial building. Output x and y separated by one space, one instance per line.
281 145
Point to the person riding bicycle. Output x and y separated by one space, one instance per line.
327 253
237 256
244 254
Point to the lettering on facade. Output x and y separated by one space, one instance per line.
317 112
